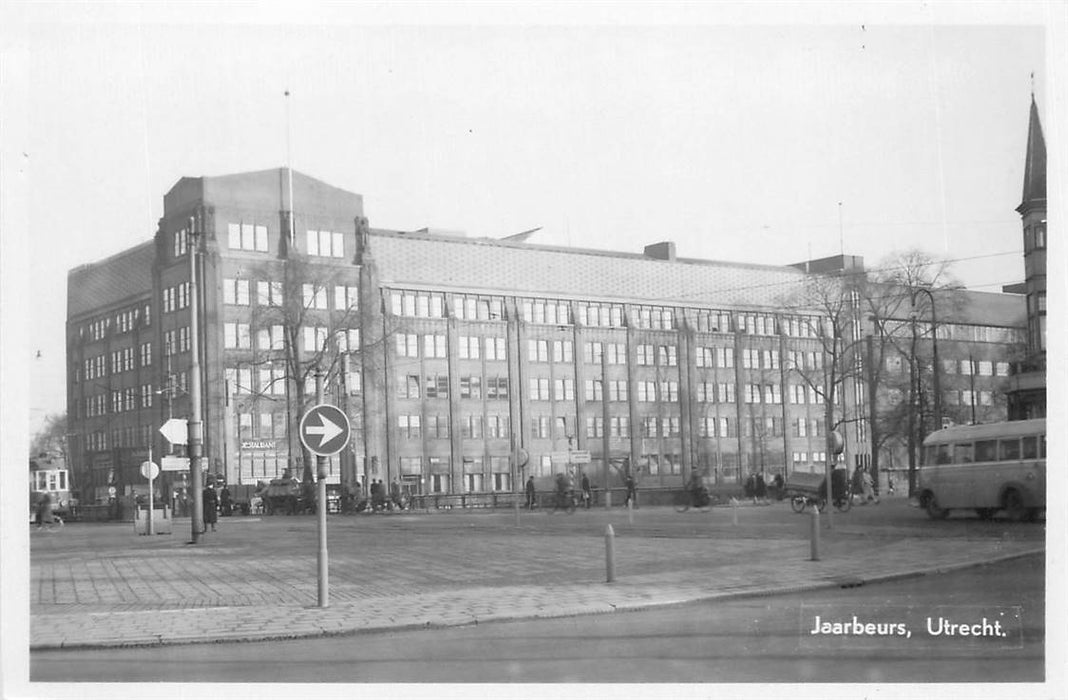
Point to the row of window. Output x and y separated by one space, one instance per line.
1002 450
176 297
128 436
238 336
436 386
122 321
606 315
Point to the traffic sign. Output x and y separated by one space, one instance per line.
174 464
176 430
324 430
149 470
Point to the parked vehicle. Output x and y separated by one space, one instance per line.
986 468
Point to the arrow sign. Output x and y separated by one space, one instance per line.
324 430
176 430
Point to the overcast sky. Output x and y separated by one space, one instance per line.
760 137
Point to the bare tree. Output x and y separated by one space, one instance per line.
52 437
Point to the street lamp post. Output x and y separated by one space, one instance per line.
195 437
936 370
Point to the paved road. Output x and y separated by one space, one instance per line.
764 638
100 584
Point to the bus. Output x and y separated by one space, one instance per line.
985 468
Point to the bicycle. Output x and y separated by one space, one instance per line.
564 501
690 498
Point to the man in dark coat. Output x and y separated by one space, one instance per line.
211 506
531 494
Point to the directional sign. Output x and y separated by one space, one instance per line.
324 430
580 456
176 430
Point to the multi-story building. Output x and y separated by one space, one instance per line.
465 364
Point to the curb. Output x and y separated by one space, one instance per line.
464 619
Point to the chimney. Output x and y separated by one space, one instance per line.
665 250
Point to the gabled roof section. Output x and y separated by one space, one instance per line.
122 277
1034 187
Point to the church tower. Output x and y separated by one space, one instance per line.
1027 392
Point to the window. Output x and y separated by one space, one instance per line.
497 388
539 389
314 296
417 304
986 368
409 387
236 336
437 386
594 426
270 338
645 355
471 426
146 354
495 349
346 297
667 355
962 453
539 426
986 450
470 387
407 345
437 427
326 244
314 338
1029 447
538 350
434 346
619 426
669 391
181 242
238 380
646 391
272 380
469 347
409 426
617 390
563 351
247 237
1009 449
348 339
545 312
564 389
236 291
497 426
705 357
725 392
724 357
268 293
474 308
593 390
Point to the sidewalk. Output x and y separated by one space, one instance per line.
101 586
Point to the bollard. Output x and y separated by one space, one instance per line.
630 514
610 553
815 533
734 511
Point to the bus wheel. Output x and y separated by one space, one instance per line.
985 513
935 511
1013 504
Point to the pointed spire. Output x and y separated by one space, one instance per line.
1034 188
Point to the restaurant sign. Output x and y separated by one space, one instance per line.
258 444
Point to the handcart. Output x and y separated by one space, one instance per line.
810 489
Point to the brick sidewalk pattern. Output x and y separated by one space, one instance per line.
99 585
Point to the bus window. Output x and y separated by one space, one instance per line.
986 450
962 453
930 454
943 455
1042 446
1030 447
1010 449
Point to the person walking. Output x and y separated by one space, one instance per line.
531 493
869 492
632 492
587 496
211 506
395 493
225 504
761 491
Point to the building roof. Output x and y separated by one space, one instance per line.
1034 187
984 309
97 286
515 267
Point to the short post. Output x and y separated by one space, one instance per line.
323 559
734 511
610 553
815 533
630 514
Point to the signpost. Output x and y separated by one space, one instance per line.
176 430
324 431
150 471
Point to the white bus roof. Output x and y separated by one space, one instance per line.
970 433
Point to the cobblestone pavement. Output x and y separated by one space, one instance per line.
99 584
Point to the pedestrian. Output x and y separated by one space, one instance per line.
225 504
531 493
395 493
761 490
211 505
869 492
44 514
750 487
890 483
632 492
858 484
586 495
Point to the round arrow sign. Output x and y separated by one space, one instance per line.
324 430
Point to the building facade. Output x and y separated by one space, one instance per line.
465 364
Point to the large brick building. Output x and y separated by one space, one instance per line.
465 364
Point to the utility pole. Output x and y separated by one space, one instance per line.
195 437
606 420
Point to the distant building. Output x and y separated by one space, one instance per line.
1027 386
465 364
